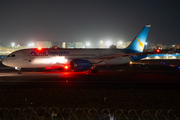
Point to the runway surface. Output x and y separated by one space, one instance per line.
138 86
136 76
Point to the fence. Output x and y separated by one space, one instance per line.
54 113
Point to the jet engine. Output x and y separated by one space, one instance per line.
79 65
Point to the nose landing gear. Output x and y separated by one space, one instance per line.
19 70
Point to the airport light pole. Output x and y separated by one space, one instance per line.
88 44
13 44
108 43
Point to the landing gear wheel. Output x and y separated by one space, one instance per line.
93 71
19 72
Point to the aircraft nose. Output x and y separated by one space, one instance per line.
5 62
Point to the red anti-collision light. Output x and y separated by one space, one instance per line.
158 50
39 48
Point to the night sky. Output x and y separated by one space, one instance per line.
23 21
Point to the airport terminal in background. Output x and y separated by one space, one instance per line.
173 51
5 50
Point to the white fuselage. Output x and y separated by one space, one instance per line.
34 58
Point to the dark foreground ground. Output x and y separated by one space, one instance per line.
125 87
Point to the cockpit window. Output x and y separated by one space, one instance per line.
12 55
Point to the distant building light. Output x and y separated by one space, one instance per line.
173 57
120 42
108 43
88 44
12 44
30 45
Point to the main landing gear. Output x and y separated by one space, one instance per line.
93 70
19 71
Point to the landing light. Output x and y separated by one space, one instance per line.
66 67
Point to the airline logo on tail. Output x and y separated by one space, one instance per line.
140 45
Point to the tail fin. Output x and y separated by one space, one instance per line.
137 45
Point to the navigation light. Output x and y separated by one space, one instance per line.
158 50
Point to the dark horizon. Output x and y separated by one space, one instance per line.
88 20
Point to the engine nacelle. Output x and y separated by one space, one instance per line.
79 65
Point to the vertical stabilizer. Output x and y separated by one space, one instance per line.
137 45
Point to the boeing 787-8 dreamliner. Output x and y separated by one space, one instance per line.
78 59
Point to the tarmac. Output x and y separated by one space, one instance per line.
130 76
141 85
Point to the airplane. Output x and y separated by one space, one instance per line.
78 59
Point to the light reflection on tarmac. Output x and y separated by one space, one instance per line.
137 75
133 76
